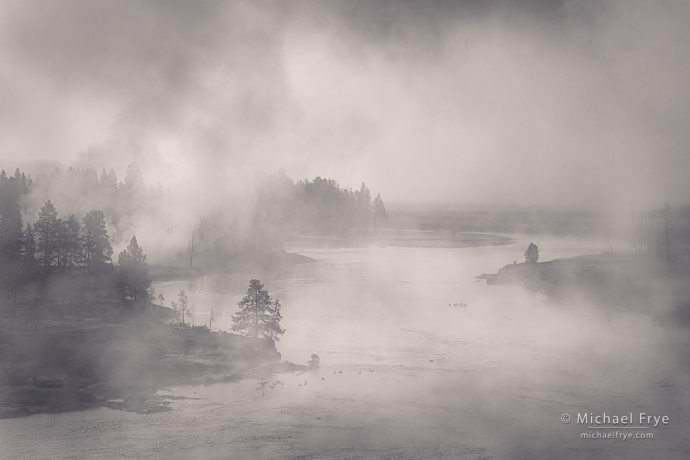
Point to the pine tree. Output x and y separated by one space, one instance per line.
10 231
110 196
133 190
259 316
104 178
112 179
181 308
363 206
532 253
60 244
72 243
132 277
97 249
11 241
183 304
380 214
314 362
47 232
29 248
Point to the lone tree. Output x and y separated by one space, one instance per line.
259 316
314 362
182 307
532 254
132 276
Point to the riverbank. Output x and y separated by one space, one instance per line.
122 366
630 280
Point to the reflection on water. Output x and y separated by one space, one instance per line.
404 375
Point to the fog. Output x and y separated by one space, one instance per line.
547 102
251 140
420 379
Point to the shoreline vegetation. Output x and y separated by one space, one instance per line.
651 278
625 280
96 353
79 330
122 362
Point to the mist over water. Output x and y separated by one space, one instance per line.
217 142
504 369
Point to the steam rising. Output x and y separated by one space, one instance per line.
546 103
563 104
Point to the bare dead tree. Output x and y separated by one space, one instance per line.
454 224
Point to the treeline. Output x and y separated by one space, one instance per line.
78 191
65 249
255 220
278 206
320 206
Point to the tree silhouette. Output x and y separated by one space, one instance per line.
363 206
47 231
181 308
132 277
532 253
29 248
11 241
182 297
314 362
97 249
259 316
380 214
72 243
11 227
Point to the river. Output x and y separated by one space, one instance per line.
405 373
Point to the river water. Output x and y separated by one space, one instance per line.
406 374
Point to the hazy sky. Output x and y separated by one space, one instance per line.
577 102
